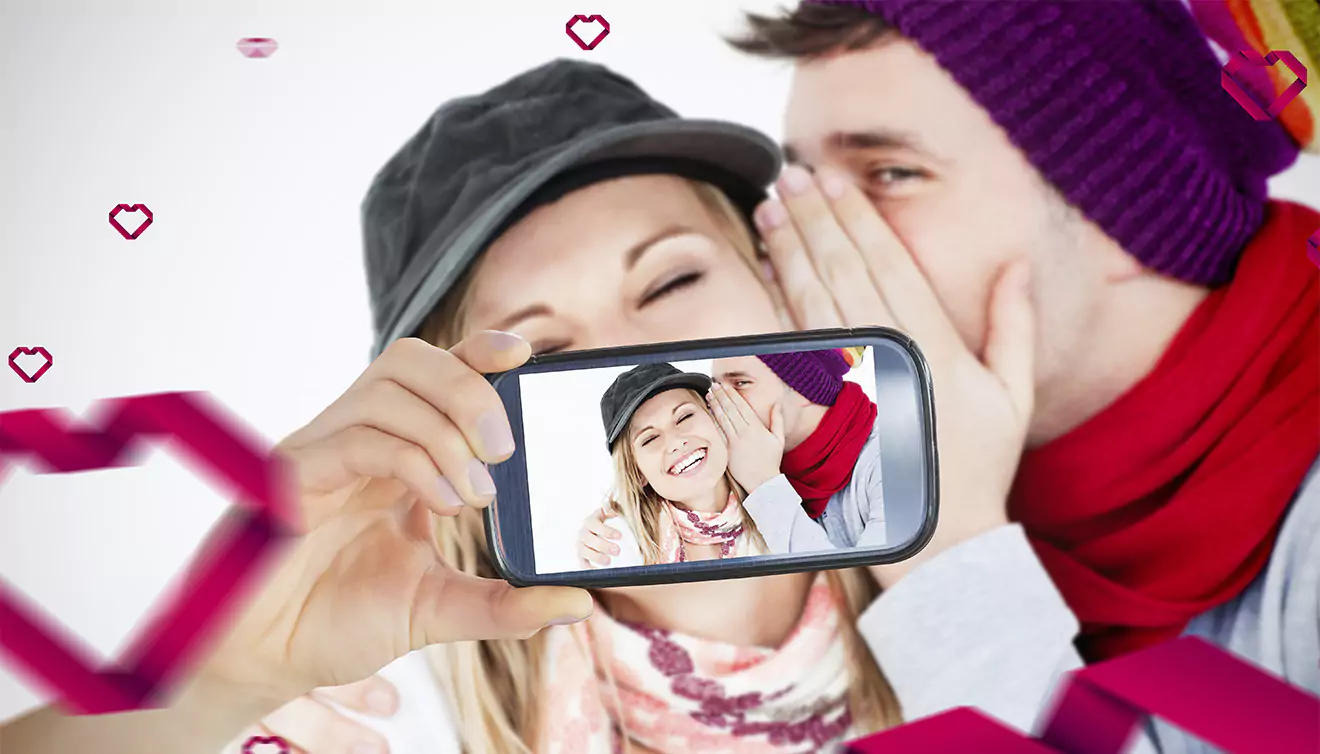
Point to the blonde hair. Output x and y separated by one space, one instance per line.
494 686
641 506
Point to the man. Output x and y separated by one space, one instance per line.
826 429
1167 483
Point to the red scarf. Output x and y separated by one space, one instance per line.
823 463
1167 503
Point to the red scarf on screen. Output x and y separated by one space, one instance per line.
823 463
1167 503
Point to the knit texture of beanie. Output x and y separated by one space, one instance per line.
815 375
1119 105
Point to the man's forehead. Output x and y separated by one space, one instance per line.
749 365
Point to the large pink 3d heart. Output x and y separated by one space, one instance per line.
227 563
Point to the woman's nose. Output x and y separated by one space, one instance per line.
612 329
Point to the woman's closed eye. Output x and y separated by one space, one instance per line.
669 285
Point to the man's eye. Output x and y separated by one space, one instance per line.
684 418
671 286
740 384
888 176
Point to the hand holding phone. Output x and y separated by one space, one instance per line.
716 459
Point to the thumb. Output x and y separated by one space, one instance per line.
493 351
1010 347
453 606
777 421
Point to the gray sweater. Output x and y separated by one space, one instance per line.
854 516
982 625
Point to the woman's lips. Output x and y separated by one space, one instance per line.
688 464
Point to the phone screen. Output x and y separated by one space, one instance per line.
718 457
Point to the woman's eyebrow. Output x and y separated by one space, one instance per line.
535 310
637 250
636 433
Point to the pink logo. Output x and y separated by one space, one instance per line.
226 564
281 746
258 47
1227 79
1207 692
131 209
1313 248
604 31
36 351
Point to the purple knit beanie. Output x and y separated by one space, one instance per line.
816 375
1119 105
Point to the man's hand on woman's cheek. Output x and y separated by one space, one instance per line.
841 265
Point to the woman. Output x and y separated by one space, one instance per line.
672 483
474 228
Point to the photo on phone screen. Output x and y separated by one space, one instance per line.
715 459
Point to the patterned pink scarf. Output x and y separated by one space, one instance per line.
676 694
724 528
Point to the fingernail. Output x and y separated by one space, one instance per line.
831 183
767 269
380 702
482 484
614 549
567 620
771 215
448 494
502 341
367 747
496 438
795 180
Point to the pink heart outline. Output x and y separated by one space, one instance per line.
258 47
34 351
275 740
605 30
131 208
227 562
1229 82
1313 248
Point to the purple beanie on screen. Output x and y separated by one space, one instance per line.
1119 105
815 375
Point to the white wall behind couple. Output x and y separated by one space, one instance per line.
249 283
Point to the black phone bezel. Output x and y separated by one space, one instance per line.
721 569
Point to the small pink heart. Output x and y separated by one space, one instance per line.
131 209
36 351
281 746
1228 80
605 30
258 47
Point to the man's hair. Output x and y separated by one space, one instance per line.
811 30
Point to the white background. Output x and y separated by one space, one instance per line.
249 283
569 471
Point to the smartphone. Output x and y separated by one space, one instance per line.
715 459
